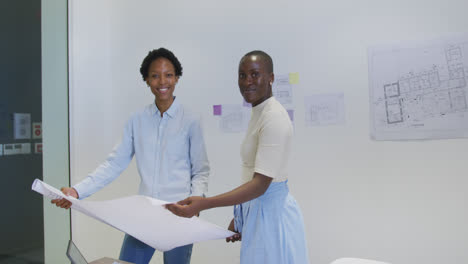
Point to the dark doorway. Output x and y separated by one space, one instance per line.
21 223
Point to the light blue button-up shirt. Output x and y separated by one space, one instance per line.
170 155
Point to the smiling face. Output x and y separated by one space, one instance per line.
162 80
254 79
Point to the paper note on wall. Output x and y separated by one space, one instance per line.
282 90
294 78
235 118
217 110
325 109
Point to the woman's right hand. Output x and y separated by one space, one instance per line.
64 203
236 237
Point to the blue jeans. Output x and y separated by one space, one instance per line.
135 251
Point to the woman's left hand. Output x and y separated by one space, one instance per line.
188 207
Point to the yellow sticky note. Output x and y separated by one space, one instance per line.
294 78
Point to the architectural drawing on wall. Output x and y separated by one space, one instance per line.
282 90
234 118
324 109
419 91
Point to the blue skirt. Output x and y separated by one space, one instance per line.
272 228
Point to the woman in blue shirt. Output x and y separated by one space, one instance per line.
167 141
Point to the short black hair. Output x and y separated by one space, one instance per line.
264 56
156 54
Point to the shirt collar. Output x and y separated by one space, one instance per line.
171 112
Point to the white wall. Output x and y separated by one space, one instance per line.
401 202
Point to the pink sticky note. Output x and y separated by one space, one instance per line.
217 110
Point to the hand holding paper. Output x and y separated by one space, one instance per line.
142 217
188 207
63 202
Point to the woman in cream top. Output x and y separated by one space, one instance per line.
266 215
267 143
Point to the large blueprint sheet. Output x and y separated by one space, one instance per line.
142 217
419 90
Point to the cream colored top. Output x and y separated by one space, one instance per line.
267 143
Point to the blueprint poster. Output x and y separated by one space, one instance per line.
324 109
419 90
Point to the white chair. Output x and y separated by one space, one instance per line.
357 261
